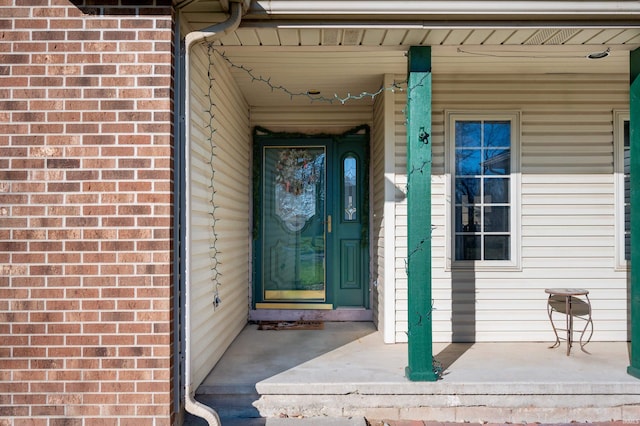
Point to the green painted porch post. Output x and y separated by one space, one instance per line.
419 215
634 142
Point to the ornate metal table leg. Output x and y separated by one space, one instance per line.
587 324
569 320
549 312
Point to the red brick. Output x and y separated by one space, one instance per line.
14 411
21 399
117 316
82 387
97 93
28 281
66 421
27 163
31 94
119 363
63 23
82 317
66 352
46 317
135 422
28 305
82 128
82 340
83 198
119 81
118 128
117 387
29 375
102 117
84 411
63 116
154 81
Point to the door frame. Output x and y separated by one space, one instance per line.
342 313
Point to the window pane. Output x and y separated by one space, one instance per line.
496 190
496 247
496 219
497 162
350 189
467 190
497 133
468 133
467 247
467 162
467 219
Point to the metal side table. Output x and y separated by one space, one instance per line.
573 303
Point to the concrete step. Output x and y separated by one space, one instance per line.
191 420
317 421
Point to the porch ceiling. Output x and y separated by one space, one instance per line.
338 58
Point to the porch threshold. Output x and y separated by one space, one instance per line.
339 314
346 370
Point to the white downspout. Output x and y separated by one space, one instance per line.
210 33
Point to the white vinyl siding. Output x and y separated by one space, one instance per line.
384 195
622 164
378 219
400 243
567 215
213 330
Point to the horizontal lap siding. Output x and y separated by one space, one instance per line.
567 208
377 207
401 215
213 330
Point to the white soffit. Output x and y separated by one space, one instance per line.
339 58
342 71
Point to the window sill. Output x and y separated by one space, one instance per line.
506 266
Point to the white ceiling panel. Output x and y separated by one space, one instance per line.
283 75
339 58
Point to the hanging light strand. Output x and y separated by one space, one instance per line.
306 94
213 218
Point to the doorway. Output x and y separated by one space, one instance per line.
311 220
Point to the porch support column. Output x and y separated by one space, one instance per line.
634 142
419 215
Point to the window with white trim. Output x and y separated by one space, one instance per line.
622 163
484 188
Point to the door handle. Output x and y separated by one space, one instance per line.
329 224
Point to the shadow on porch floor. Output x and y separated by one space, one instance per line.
346 370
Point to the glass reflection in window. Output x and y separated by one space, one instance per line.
350 188
482 197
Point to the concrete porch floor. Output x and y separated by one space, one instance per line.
346 370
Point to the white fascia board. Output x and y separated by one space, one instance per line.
416 8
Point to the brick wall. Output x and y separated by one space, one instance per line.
85 213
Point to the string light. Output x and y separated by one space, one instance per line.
534 55
213 219
313 96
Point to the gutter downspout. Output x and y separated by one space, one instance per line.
211 33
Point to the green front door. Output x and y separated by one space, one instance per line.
311 221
